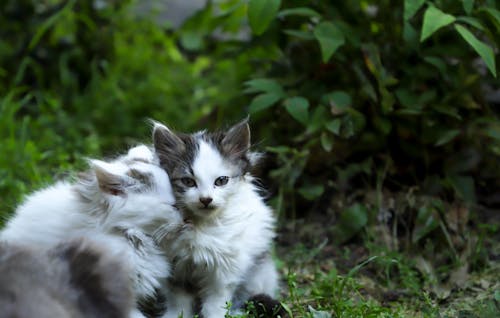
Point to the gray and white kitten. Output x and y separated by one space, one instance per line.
121 203
73 280
225 246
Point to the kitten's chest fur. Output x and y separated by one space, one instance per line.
227 245
203 248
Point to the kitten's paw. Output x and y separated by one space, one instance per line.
263 305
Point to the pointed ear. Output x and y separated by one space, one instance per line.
165 139
236 142
108 180
140 153
167 144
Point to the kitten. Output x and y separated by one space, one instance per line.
127 199
225 246
72 280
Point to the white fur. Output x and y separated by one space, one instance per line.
207 167
58 213
218 253
141 152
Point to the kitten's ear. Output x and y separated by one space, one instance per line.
140 153
109 182
165 139
236 142
167 144
99 275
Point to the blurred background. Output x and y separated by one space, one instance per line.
379 118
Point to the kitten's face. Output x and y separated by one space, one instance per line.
133 188
208 183
205 168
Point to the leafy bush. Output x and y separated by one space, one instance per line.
76 80
381 112
379 93
348 95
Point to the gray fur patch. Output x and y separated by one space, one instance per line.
146 180
72 280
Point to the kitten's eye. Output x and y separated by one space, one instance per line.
220 181
188 182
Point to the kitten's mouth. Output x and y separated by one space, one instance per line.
203 211
206 207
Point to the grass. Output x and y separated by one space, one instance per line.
317 289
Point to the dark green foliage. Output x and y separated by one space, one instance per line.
395 97
402 85
79 80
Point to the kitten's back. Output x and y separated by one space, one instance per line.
74 280
46 217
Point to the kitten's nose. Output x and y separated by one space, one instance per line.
206 200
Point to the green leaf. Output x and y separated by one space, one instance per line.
493 131
468 5
472 22
410 35
300 34
494 14
334 125
338 101
434 19
311 192
317 119
351 221
482 49
302 11
326 142
192 40
411 7
298 108
330 38
383 124
464 186
48 23
497 295
357 119
319 313
447 110
279 149
261 13
406 97
264 85
437 63
446 137
263 101
425 223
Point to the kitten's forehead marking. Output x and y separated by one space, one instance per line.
209 164
207 157
158 178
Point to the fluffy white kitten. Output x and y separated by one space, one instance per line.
223 254
116 202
